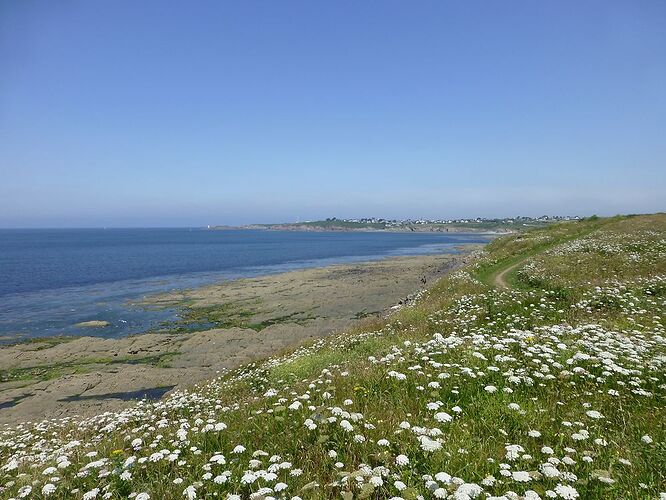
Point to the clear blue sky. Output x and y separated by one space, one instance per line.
146 113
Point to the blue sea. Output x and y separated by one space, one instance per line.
51 279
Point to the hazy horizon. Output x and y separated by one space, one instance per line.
269 222
151 114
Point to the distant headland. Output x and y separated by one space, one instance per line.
479 224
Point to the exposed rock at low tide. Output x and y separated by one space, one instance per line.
88 375
96 323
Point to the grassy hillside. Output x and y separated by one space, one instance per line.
535 372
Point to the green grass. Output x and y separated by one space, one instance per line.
510 251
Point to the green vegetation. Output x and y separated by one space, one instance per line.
37 343
548 385
366 314
227 315
230 315
507 252
47 372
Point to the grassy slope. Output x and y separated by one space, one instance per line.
581 331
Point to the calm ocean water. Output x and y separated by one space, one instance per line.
52 279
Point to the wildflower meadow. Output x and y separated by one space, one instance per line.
534 371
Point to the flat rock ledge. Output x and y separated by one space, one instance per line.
93 324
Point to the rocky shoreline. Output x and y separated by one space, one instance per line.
247 319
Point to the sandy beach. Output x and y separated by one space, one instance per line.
259 317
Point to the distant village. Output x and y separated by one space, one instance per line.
410 222
507 224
